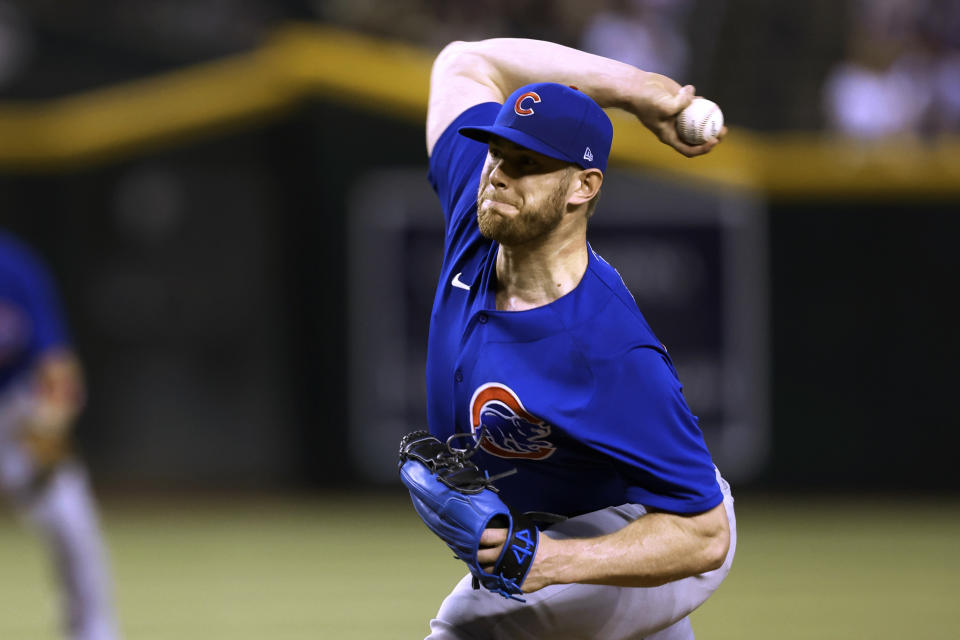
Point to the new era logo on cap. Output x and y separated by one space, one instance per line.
555 120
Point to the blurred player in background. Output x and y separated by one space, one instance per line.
41 394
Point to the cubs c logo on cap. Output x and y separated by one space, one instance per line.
509 430
518 107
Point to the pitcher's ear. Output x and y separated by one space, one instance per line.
586 184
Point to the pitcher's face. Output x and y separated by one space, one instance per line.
522 195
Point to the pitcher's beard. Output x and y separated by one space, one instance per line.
527 224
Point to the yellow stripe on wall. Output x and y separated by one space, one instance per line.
301 61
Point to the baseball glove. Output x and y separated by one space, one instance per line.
457 501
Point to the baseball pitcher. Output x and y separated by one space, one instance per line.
562 463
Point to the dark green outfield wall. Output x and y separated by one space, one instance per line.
229 365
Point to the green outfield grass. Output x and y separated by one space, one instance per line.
262 568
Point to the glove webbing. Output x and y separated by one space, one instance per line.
452 465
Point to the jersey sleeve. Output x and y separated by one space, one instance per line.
456 162
641 421
36 293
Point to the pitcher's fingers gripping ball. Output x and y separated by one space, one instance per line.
458 501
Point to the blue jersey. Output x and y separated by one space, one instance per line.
577 395
30 317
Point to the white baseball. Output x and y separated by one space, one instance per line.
702 120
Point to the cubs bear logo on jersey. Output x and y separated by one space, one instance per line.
510 431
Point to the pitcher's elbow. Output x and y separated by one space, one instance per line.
717 549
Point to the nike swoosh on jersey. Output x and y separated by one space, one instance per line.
458 283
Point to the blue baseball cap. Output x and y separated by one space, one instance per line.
555 120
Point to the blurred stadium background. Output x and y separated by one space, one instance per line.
232 196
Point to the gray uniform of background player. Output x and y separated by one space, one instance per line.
644 579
